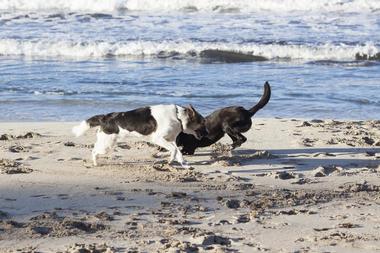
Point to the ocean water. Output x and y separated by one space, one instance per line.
69 59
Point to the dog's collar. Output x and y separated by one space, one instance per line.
178 118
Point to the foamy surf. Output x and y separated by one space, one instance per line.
192 5
174 49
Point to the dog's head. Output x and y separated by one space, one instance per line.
195 123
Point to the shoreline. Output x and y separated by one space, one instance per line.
314 186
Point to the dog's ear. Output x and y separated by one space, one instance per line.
191 111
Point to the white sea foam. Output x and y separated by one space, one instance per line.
196 5
81 50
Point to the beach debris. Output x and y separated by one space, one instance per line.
18 149
231 203
323 171
360 187
305 124
211 239
89 248
7 137
28 135
243 218
284 175
347 225
321 229
12 167
179 194
288 212
52 225
368 140
173 245
69 144
338 237
161 165
123 146
103 216
302 181
308 142
370 153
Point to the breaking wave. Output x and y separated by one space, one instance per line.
219 51
191 5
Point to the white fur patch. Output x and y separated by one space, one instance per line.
81 128
168 125
124 133
104 142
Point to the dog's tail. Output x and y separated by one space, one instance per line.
263 101
85 125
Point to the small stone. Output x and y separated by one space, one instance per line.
243 218
368 140
347 225
284 175
288 212
325 171
6 137
179 194
370 153
211 240
104 216
69 144
302 181
364 186
232 203
29 135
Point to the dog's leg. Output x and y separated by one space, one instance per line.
175 153
179 157
94 157
237 138
104 144
165 144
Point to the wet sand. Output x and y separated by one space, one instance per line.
294 186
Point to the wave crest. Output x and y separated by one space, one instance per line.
192 5
175 49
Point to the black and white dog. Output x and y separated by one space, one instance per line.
162 123
232 120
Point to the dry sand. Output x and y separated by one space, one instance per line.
294 186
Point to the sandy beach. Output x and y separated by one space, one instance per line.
294 186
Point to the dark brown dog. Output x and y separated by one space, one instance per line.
232 120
